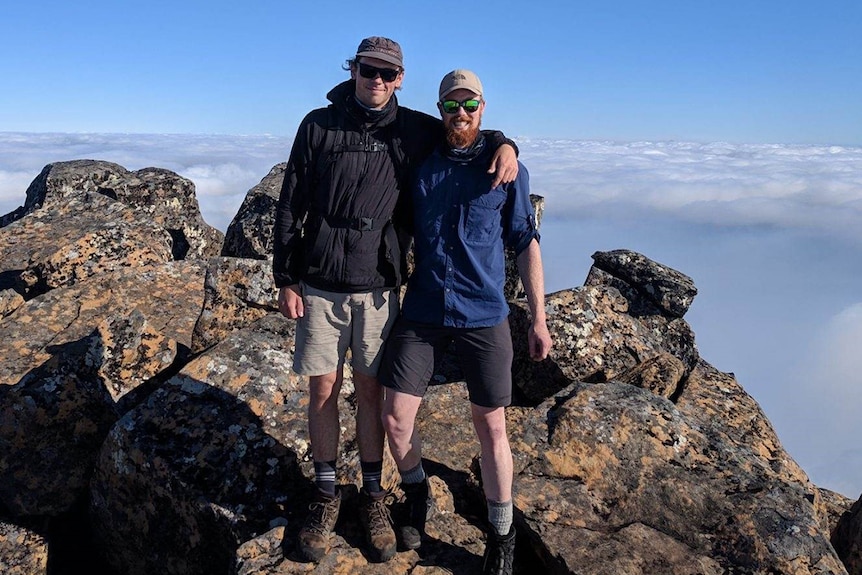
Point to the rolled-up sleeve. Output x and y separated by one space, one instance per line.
520 226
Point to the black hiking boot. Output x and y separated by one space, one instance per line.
499 553
315 533
419 508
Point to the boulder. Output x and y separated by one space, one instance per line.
86 234
594 340
670 290
169 295
52 425
250 233
237 292
167 198
207 461
612 479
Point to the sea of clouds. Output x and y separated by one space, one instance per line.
771 235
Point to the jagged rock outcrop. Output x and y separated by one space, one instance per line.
250 233
158 396
61 377
614 479
642 280
86 234
166 198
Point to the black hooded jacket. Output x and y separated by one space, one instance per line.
334 224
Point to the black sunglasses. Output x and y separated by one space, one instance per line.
386 74
451 106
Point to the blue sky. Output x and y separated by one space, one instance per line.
723 139
757 72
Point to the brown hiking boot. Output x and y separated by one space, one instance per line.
315 532
375 518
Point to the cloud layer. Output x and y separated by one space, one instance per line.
815 188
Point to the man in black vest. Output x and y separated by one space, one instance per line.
338 260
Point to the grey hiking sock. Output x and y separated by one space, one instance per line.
500 516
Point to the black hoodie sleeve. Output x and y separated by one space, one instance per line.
293 201
495 139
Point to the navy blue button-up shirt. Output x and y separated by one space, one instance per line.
461 227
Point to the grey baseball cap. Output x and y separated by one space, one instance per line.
382 49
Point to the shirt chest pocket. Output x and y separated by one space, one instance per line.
483 221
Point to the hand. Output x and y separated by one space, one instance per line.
290 302
504 165
539 341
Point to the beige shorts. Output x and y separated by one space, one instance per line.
335 323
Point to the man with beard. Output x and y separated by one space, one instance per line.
462 225
337 260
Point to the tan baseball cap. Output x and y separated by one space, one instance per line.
460 79
382 49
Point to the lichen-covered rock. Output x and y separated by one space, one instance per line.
657 296
250 233
10 300
594 339
169 295
54 420
22 552
612 479
237 292
171 201
724 410
669 289
167 198
204 464
661 375
52 424
84 235
132 353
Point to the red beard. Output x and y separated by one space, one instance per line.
460 139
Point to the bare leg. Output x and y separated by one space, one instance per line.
369 427
324 429
399 419
490 425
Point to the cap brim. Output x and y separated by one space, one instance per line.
381 56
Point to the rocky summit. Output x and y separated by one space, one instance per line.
150 421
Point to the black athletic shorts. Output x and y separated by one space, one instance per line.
484 354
